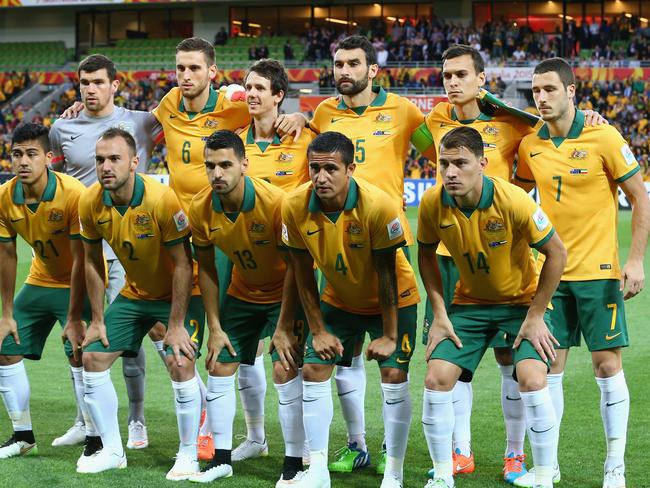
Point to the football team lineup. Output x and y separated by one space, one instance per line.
218 270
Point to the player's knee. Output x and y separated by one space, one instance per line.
281 375
157 332
93 362
438 382
531 382
131 367
183 372
9 360
393 375
607 369
223 369
317 372
503 356
75 363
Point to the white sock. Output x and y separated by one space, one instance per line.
78 378
513 412
351 387
204 428
133 370
14 387
542 433
160 349
556 391
438 423
290 413
101 400
188 414
462 400
77 394
317 413
615 410
252 391
397 422
222 404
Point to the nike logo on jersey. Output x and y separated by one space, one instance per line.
446 226
102 222
215 229
16 220
334 121
72 138
172 116
610 337
442 124
312 232
532 154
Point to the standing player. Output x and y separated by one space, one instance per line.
145 225
380 125
283 163
488 225
352 232
241 216
73 144
40 206
577 170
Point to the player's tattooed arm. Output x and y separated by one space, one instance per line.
382 347
326 345
441 327
534 328
284 341
75 330
209 284
8 264
632 274
177 336
94 270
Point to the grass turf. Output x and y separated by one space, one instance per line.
582 444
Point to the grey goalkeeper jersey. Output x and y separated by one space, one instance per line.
73 140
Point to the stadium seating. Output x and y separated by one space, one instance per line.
32 55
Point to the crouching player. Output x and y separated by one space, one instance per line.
488 226
144 224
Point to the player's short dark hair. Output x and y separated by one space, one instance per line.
333 142
115 132
458 50
559 66
274 71
359 42
198 44
32 132
226 139
466 137
95 62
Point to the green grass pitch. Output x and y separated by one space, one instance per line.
582 445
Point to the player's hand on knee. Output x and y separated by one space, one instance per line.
217 341
181 343
96 332
75 332
535 331
327 346
381 348
632 277
286 345
441 329
8 327
73 111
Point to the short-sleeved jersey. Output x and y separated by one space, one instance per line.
185 135
343 244
490 244
138 233
47 226
577 179
283 164
250 238
381 133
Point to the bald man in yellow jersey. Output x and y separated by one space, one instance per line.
144 223
488 225
577 171
352 233
381 126
40 206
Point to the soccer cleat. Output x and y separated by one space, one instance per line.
250 449
292 472
184 467
513 467
462 464
381 465
92 445
528 480
13 447
102 461
391 482
614 478
212 472
138 438
439 483
75 435
313 479
205 447
290 479
349 458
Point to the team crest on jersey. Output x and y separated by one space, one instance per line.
353 228
256 228
56 215
285 158
211 124
127 126
383 118
494 225
490 130
578 154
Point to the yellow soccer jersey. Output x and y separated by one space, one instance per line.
577 182
381 134
283 164
490 244
138 233
342 245
47 226
251 239
185 135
